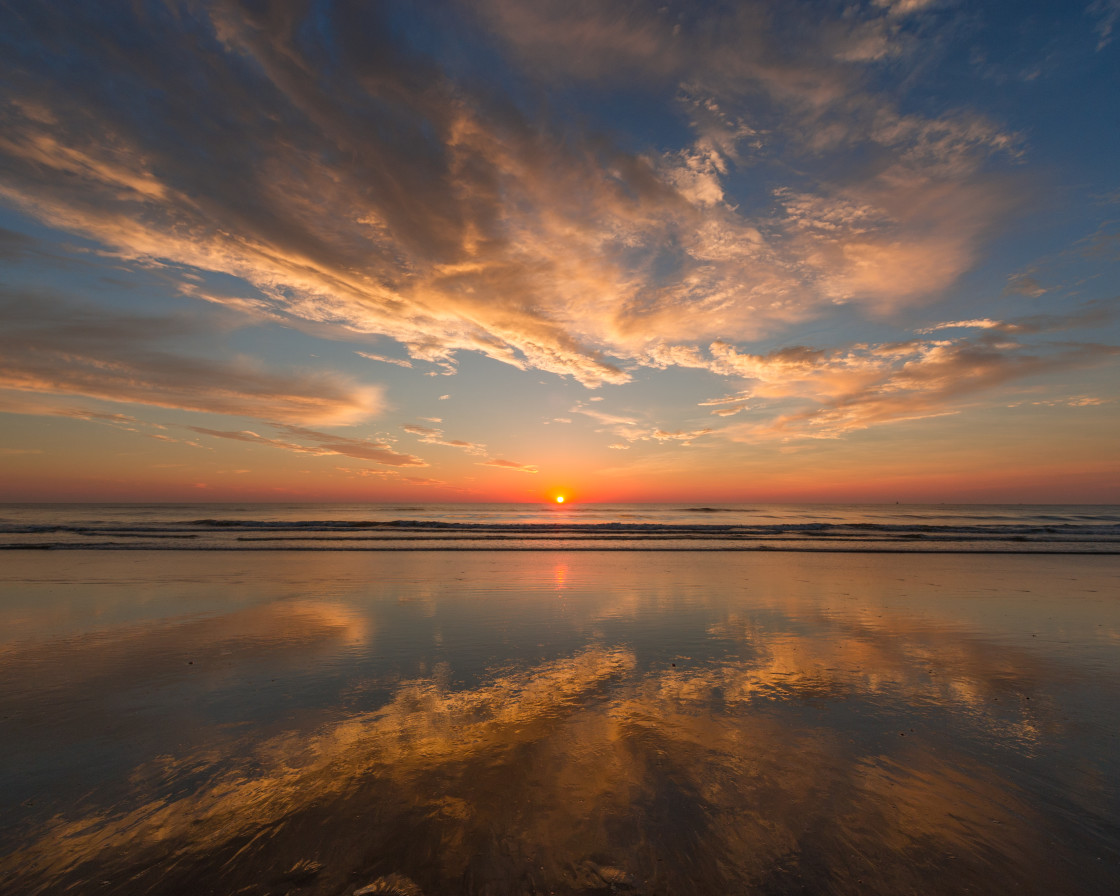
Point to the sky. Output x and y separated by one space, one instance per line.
502 250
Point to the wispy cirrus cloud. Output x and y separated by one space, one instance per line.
1106 13
384 359
510 465
41 405
685 437
727 406
604 417
630 429
729 410
52 347
980 323
432 436
306 441
1025 284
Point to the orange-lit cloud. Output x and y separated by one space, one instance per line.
432 436
399 362
685 437
510 465
474 230
321 444
869 385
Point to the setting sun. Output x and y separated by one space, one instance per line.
559 499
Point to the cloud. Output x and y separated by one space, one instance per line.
343 169
433 436
982 323
418 430
727 399
905 7
58 348
629 429
1090 316
396 476
58 406
1025 285
727 406
590 41
729 410
1078 401
1107 14
509 465
685 437
603 416
421 480
841 391
893 239
366 472
160 437
399 362
321 444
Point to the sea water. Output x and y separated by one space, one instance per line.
568 526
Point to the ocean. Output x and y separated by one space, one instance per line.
324 700
569 527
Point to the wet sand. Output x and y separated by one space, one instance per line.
559 723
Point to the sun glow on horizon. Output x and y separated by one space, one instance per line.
559 499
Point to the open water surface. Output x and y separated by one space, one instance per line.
306 527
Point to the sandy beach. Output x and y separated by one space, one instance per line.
559 722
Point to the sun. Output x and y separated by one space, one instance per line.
559 499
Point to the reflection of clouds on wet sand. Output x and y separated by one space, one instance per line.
579 774
422 728
654 724
892 660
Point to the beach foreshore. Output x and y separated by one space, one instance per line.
566 722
